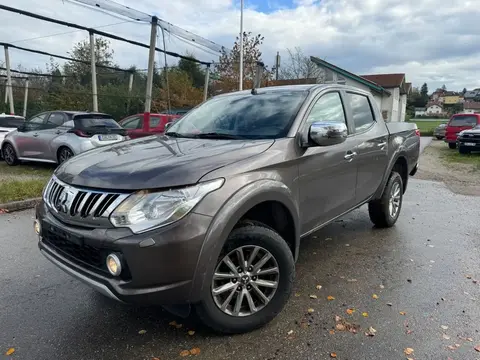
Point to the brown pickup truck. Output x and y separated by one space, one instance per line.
211 214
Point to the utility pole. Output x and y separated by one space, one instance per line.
94 72
25 99
9 81
205 86
151 59
240 85
277 65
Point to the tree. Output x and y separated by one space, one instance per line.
298 66
444 87
424 90
193 70
464 91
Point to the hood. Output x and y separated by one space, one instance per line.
155 162
471 132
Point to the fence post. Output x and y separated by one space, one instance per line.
25 99
130 87
6 93
94 72
151 59
205 86
258 75
166 70
9 81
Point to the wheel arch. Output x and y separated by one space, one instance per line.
398 163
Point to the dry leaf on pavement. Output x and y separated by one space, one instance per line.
333 355
184 353
330 298
141 332
371 331
155 358
313 297
375 296
477 348
10 351
350 311
310 310
297 295
331 332
451 347
191 332
318 287
340 327
403 313
408 351
365 314
446 337
469 339
444 327
172 323
195 351
290 332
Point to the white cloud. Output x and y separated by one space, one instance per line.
431 42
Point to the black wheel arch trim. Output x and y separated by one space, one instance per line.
229 215
386 176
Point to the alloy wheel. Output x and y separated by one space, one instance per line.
65 154
9 154
395 199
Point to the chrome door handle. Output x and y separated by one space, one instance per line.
35 135
58 132
382 144
350 156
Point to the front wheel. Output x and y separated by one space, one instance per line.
10 155
439 137
64 154
452 145
252 281
385 211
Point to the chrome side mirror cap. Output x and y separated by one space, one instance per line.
327 133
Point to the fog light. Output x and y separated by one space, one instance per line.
114 265
37 227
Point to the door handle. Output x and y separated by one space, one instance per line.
35 135
58 132
382 144
350 155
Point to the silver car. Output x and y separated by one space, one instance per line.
439 131
56 136
9 123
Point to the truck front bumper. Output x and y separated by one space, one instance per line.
158 266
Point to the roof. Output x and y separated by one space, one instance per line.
473 105
408 87
386 80
280 88
372 85
433 104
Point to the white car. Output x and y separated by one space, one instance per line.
9 123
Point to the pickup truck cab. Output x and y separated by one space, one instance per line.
136 125
211 215
458 123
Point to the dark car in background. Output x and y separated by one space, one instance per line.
439 131
136 125
458 123
469 140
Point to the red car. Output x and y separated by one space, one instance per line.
136 125
457 123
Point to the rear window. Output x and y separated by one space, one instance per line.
11 122
463 121
96 122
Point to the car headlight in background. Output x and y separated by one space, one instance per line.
147 209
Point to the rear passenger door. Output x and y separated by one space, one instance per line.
53 128
371 136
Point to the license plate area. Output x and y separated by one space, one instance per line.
470 144
77 240
108 137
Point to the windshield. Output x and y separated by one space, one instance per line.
261 116
463 121
93 122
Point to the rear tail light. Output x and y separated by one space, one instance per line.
417 132
79 133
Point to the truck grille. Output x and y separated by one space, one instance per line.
78 203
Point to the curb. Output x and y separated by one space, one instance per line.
20 205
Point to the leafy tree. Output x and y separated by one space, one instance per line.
193 70
424 90
464 91
444 87
298 66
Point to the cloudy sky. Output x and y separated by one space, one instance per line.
430 41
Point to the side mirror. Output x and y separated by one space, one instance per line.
327 133
21 128
168 124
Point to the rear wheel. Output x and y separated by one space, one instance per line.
9 155
384 212
64 154
452 145
439 137
252 281
464 150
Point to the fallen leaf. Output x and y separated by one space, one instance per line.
365 314
403 313
451 347
457 345
340 327
477 348
313 297
332 332
333 355
328 239
371 331
352 280
469 339
155 358
408 351
475 281
469 276
11 350
444 327
375 296
195 351
330 298
172 323
382 287
185 353
350 311
408 332
446 337
290 332
310 310
141 332
297 295
389 304
337 318
318 287
191 332
179 326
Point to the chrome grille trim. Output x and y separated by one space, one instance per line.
80 204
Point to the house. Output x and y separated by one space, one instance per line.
434 108
389 90
451 97
469 95
471 107
419 111
437 95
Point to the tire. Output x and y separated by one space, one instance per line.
9 155
439 137
64 153
246 237
452 145
379 210
464 150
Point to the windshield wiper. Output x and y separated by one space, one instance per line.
178 135
217 135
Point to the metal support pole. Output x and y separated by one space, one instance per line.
205 86
277 65
6 92
151 60
258 75
9 81
130 83
166 70
240 85
25 99
94 72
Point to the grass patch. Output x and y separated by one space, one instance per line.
453 156
20 190
427 127
28 169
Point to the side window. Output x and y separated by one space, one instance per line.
362 112
55 119
133 123
154 121
39 119
36 122
328 108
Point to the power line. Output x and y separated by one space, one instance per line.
35 74
101 33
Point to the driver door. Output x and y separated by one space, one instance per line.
27 141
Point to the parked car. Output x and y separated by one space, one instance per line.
211 214
180 112
55 136
469 140
439 131
136 125
457 123
9 123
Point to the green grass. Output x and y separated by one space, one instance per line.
426 127
453 156
28 169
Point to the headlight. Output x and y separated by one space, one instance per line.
146 209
